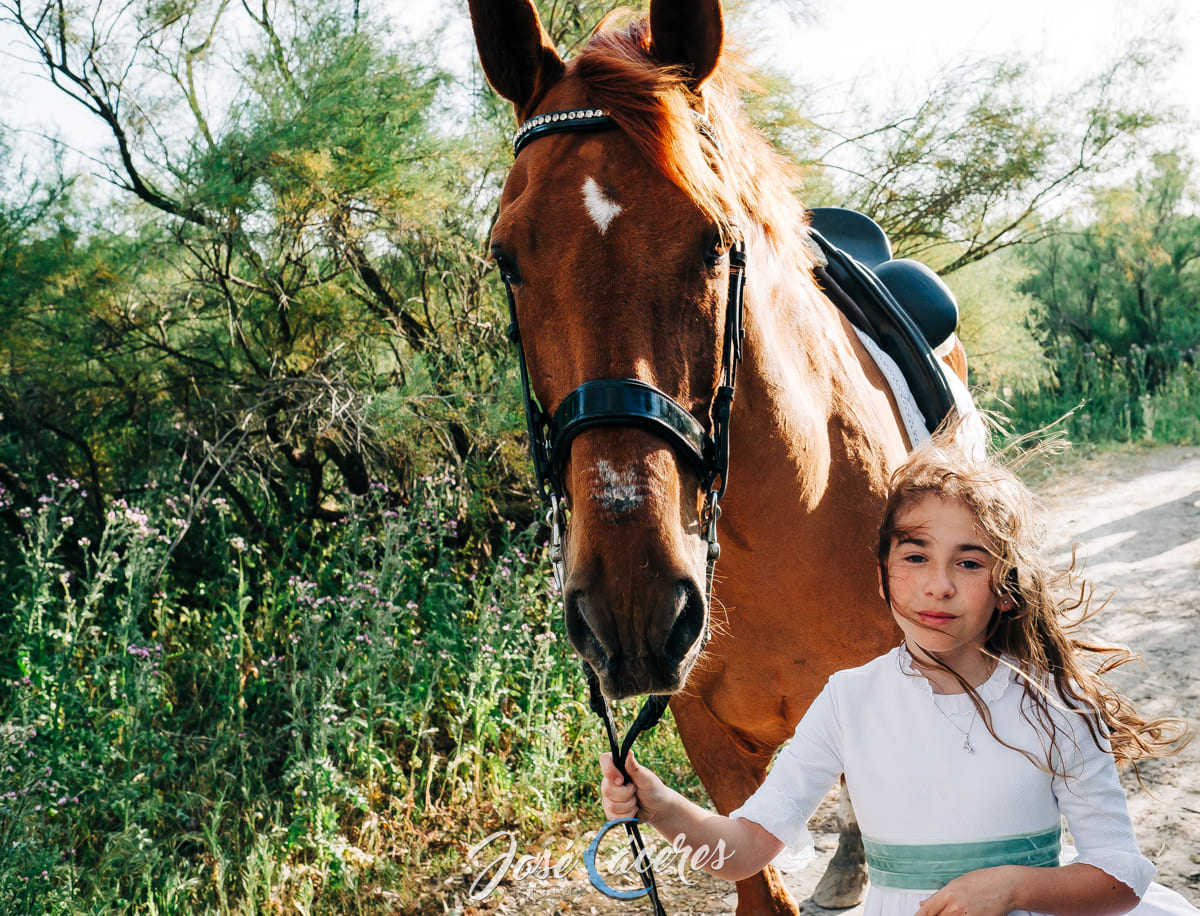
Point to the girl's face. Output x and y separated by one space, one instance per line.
939 574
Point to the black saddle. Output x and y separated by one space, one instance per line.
899 303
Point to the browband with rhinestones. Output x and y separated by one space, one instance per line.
587 119
557 121
554 122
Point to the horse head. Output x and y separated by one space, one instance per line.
614 238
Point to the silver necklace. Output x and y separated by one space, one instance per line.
966 745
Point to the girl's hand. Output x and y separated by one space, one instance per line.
1077 889
643 796
984 892
740 847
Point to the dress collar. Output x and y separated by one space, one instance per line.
989 691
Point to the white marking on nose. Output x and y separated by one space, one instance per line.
600 207
618 491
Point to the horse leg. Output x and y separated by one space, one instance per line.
844 883
730 772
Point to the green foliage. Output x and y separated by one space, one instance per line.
994 324
570 24
238 672
1127 278
277 730
1102 405
1115 312
297 303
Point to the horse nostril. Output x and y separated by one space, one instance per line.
689 621
580 630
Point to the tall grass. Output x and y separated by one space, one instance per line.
307 735
1105 403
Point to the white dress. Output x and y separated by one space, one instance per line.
913 782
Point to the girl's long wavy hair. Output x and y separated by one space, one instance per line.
1059 665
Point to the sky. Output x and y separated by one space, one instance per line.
881 51
872 49
878 46
887 39
858 49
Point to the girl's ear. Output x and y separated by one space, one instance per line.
1004 596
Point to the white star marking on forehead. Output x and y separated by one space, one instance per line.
600 207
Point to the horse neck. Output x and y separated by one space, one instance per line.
807 421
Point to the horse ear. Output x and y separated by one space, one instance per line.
518 57
688 34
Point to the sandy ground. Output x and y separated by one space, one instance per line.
1135 517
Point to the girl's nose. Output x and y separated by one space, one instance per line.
939 584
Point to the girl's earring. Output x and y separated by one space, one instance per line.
1006 603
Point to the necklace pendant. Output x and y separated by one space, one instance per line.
967 745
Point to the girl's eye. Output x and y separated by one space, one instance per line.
972 564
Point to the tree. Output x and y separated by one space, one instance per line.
290 297
994 325
984 161
30 202
1122 285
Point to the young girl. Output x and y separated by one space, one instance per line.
964 747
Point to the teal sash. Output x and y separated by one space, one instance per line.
928 866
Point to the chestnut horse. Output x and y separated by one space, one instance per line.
613 237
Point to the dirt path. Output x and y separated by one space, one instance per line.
1136 519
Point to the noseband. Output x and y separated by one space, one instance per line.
628 401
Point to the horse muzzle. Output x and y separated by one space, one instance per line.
653 656
635 561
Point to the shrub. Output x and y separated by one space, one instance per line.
282 732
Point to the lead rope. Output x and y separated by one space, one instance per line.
649 715
652 710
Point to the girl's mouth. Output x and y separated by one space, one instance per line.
934 618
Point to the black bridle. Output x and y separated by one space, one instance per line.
631 402
627 401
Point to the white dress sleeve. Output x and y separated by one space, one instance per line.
1093 803
802 774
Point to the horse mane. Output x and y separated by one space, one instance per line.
654 106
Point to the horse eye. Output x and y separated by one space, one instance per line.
717 249
507 266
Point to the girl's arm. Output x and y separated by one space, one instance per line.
1067 890
738 848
